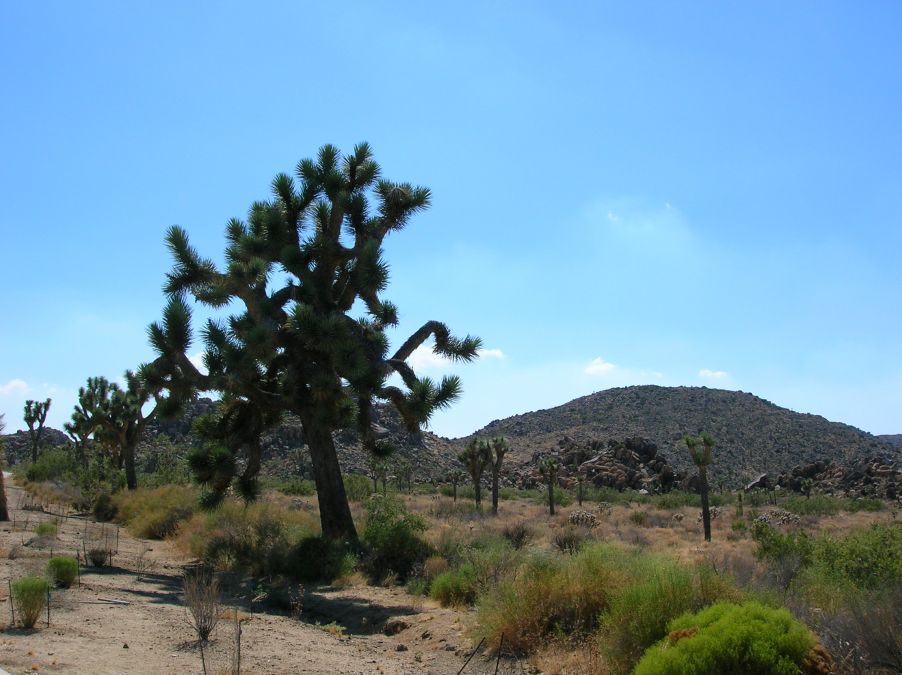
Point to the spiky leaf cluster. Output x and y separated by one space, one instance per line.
294 271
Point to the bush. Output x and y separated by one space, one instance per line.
358 487
98 556
104 507
639 518
455 587
62 570
320 559
391 535
663 589
549 595
517 534
155 513
729 638
870 558
30 598
570 539
53 464
46 529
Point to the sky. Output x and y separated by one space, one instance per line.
698 194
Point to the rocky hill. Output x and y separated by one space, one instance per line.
753 436
892 439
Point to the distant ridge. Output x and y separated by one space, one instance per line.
753 435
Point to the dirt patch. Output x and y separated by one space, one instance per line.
129 616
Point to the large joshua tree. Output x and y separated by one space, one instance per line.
701 451
304 276
35 415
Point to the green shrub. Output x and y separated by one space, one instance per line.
517 534
62 570
549 595
98 556
571 538
661 590
155 513
455 587
870 558
104 507
774 545
825 505
320 559
53 464
46 529
729 638
358 487
30 598
639 518
391 535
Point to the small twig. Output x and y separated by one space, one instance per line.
498 660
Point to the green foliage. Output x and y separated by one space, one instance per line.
104 507
455 588
826 505
662 589
870 558
46 529
320 559
729 638
52 465
30 598
518 534
62 570
774 546
155 513
639 518
358 487
98 556
295 487
391 535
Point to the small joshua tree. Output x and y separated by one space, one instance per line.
378 468
475 458
806 486
456 477
35 416
404 474
498 447
549 468
700 450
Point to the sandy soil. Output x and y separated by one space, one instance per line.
130 617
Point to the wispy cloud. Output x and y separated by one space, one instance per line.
15 386
713 374
599 366
198 361
423 358
491 353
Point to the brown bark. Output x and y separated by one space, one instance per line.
334 512
706 510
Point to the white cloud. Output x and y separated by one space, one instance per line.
15 386
613 217
198 361
713 374
599 366
423 358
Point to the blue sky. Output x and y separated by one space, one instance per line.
675 193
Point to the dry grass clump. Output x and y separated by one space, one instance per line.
155 513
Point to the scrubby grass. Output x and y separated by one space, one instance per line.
730 638
824 505
53 465
29 595
62 570
155 513
46 529
391 535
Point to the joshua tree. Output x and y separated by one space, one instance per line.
456 477
475 458
4 513
115 417
498 447
378 467
404 473
806 485
580 455
549 468
700 450
298 268
36 414
79 430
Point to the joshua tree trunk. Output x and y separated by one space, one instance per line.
495 477
131 476
706 511
579 490
455 491
550 496
4 513
334 512
477 493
